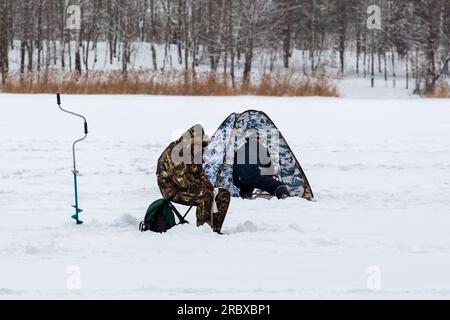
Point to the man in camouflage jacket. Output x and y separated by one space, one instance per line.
182 180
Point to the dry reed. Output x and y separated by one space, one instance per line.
166 83
441 91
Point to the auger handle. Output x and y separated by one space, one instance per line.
58 101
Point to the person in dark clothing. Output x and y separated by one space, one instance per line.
247 175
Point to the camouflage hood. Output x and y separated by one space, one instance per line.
179 168
195 136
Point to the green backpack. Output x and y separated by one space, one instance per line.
160 217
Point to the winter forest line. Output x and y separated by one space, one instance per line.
238 38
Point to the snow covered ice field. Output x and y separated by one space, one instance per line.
379 170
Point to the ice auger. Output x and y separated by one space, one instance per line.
75 172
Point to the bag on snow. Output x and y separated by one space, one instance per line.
158 218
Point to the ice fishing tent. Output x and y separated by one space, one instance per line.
220 155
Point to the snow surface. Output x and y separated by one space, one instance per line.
379 169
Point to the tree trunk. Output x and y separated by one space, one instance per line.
394 75
23 46
248 64
78 52
372 61
287 39
407 71
153 35
4 41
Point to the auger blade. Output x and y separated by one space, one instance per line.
78 210
75 216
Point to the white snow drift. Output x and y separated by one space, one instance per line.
379 169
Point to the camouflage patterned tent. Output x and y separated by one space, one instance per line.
220 154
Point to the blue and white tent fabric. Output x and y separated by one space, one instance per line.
219 156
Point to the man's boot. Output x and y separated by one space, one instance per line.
218 219
282 192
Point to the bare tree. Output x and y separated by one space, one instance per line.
4 39
234 34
